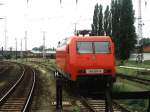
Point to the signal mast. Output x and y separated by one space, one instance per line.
139 21
139 57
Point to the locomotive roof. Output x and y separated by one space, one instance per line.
84 38
91 38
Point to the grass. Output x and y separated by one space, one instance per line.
144 64
76 109
2 83
132 72
122 85
127 71
133 105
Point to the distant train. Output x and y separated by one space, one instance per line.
93 56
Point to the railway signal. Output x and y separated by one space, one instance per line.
58 92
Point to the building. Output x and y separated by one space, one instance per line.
146 49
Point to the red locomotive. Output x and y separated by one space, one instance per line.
91 56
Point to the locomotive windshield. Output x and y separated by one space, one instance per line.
84 47
93 47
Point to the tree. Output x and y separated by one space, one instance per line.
107 21
127 29
115 12
35 49
118 22
100 21
145 42
38 48
95 21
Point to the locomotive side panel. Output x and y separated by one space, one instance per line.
61 58
72 60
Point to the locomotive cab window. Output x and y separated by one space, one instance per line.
84 47
102 47
93 47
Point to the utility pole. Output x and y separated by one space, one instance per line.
139 21
44 45
5 31
5 46
76 2
6 34
21 54
16 47
26 51
2 51
140 24
75 28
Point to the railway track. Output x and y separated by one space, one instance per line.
88 104
93 105
52 68
4 67
18 97
135 79
9 74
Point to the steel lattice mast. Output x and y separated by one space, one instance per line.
139 21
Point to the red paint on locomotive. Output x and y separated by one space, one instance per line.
86 56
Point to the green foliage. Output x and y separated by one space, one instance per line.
145 42
127 29
8 56
117 22
41 49
35 49
140 104
107 21
76 109
115 12
100 21
95 21
123 30
38 48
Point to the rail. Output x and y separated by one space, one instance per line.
12 88
21 92
30 94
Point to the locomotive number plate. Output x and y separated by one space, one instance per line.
89 71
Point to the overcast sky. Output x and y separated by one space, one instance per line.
58 21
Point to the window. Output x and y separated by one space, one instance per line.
93 47
101 47
63 42
84 47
